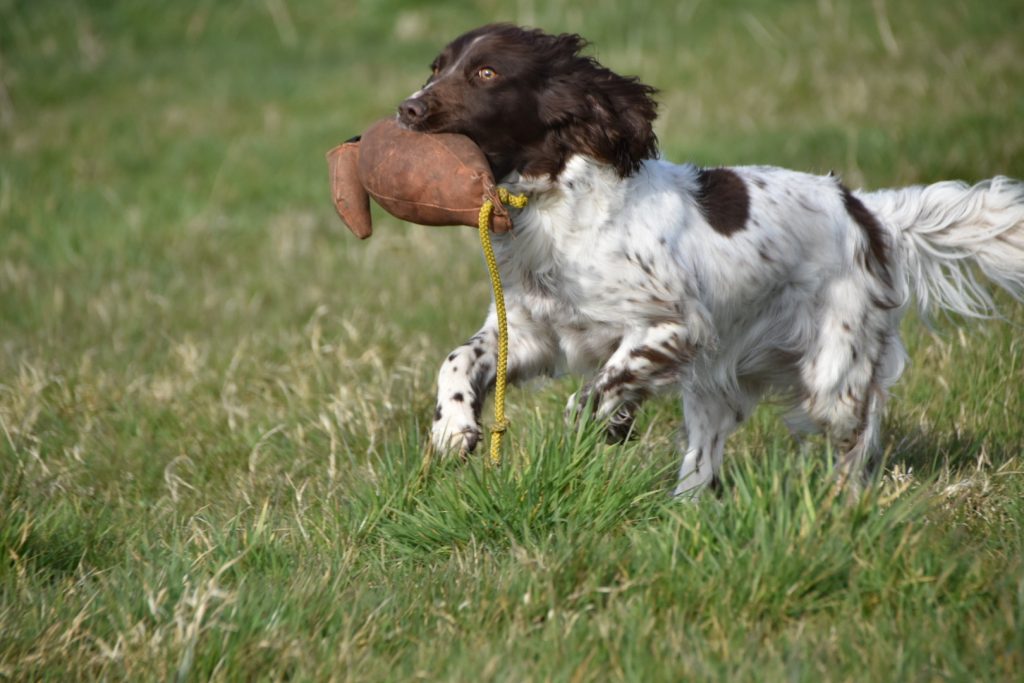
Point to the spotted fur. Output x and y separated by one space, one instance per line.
720 286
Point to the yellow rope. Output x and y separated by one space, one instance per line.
500 421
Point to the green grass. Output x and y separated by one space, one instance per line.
214 400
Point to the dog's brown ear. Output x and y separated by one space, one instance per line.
351 200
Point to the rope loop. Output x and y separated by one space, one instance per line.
501 423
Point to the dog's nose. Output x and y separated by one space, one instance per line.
413 110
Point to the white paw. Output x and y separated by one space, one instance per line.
578 407
454 430
693 480
687 492
571 414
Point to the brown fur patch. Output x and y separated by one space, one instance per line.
615 382
655 356
873 231
723 200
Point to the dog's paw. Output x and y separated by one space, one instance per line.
578 407
455 430
619 426
584 406
571 414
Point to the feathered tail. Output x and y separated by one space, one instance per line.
948 226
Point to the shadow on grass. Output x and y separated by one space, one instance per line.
931 454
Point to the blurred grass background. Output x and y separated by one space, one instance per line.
214 399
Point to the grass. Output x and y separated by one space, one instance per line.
214 401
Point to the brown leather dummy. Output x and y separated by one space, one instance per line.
350 199
424 178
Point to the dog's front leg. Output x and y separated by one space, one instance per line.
468 374
647 360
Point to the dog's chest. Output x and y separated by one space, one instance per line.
587 289
584 277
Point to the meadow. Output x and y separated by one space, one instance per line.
214 400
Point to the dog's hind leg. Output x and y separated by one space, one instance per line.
847 386
861 446
710 419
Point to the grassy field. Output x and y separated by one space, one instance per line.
214 400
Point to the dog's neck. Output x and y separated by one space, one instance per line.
584 185
542 156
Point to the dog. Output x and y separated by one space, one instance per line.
721 285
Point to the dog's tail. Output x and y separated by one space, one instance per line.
946 228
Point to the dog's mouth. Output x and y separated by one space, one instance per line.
404 125
425 126
418 116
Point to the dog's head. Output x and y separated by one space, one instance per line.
529 100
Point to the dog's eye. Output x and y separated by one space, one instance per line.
487 73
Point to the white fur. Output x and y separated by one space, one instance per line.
613 276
